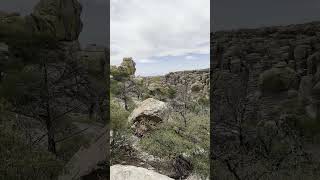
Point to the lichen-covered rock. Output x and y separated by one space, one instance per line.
278 79
128 66
60 18
147 115
123 172
196 87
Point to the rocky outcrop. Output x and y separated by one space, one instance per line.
259 71
147 115
58 17
270 59
195 83
121 172
196 80
128 66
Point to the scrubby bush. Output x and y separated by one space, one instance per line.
120 132
21 161
173 139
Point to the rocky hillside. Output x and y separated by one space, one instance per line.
194 82
267 78
159 123
48 39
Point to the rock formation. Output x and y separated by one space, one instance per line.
198 79
195 83
147 115
272 59
59 17
258 71
128 66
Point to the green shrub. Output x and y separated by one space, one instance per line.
119 116
173 139
120 132
20 161
155 79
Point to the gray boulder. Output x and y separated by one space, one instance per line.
128 66
148 115
123 172
196 87
278 79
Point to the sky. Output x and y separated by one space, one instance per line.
94 17
161 36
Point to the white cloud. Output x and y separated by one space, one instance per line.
189 57
153 28
146 61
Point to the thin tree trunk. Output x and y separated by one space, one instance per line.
49 126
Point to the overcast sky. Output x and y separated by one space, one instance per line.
161 35
233 14
94 17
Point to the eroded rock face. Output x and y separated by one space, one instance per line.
147 115
59 17
128 66
282 60
121 172
196 83
278 79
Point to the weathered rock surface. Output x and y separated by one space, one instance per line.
59 17
196 80
147 115
263 68
121 172
278 79
195 83
128 66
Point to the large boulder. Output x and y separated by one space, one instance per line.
147 115
122 172
278 79
128 66
196 87
60 18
